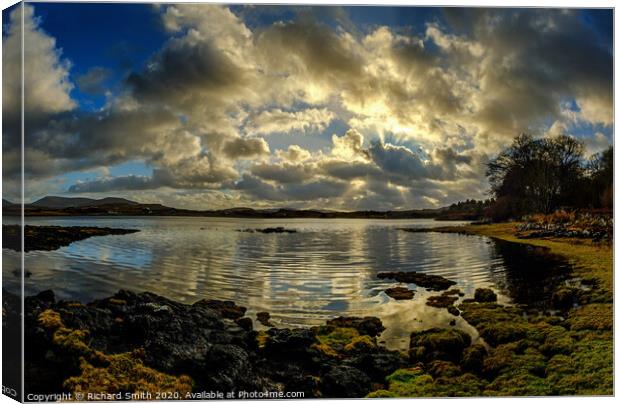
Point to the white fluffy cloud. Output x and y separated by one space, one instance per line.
423 113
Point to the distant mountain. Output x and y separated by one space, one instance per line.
61 206
6 202
61 202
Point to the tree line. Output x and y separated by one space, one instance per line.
541 175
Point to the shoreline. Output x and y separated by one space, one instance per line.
589 260
526 352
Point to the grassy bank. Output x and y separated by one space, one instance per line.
529 352
592 262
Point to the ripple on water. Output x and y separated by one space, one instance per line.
327 268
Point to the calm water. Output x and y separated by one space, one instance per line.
328 268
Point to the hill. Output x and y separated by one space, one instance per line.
61 202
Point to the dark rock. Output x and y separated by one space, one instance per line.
430 282
564 298
245 323
263 318
50 238
345 381
453 310
229 368
227 309
483 295
377 364
441 301
399 293
285 342
371 326
269 230
47 296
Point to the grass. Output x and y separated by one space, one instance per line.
535 355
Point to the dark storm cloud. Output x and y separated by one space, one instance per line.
314 190
284 173
319 50
537 59
185 69
245 148
130 182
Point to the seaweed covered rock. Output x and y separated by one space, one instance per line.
496 324
439 368
438 343
371 326
441 301
473 358
399 293
430 282
483 295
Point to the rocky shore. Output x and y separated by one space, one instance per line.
144 342
137 342
50 238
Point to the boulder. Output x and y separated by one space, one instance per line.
482 295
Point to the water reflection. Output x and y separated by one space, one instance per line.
327 268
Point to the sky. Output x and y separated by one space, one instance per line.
206 106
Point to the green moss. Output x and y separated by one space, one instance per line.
598 316
125 373
515 357
518 384
588 369
381 394
441 368
363 343
326 350
540 354
473 358
496 324
438 343
414 382
339 337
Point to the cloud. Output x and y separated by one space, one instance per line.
45 72
92 82
239 109
279 121
129 182
245 148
